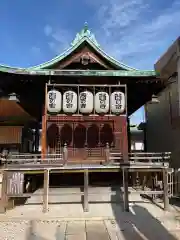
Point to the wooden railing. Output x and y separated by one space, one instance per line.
141 157
138 157
111 157
32 158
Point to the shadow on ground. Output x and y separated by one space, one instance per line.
139 224
175 202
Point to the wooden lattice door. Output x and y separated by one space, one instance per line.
79 141
85 140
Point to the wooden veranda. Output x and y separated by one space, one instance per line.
16 166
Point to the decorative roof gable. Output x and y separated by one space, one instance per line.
85 33
84 36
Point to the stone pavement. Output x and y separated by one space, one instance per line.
104 220
84 230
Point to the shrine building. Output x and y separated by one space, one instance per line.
81 100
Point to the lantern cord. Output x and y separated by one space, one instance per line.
49 77
102 88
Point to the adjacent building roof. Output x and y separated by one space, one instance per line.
167 63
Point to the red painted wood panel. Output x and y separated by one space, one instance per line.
86 136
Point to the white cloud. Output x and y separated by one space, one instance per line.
36 51
134 31
59 39
119 14
47 30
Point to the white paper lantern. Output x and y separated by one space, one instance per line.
117 102
86 102
69 102
54 101
101 102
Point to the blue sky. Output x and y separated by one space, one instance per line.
135 32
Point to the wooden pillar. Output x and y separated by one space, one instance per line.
107 154
65 154
145 129
125 140
125 155
176 181
165 189
46 191
36 140
128 135
44 129
43 137
4 198
86 183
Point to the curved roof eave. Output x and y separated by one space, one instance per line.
8 69
5 68
72 48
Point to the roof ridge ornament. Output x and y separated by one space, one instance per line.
85 33
85 27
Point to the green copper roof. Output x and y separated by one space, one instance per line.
85 32
84 35
79 73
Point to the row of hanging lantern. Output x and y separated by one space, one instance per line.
69 102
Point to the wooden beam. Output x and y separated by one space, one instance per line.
77 56
46 191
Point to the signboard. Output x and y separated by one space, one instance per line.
15 183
